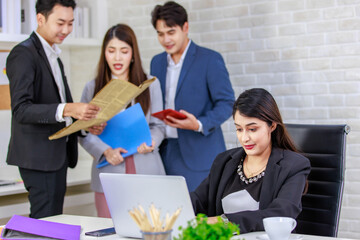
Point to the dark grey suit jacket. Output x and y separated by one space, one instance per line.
34 100
280 195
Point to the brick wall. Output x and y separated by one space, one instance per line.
305 52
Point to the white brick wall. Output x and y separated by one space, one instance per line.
305 52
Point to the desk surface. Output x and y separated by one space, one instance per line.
94 223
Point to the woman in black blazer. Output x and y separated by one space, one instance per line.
263 178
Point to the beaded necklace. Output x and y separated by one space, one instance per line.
242 175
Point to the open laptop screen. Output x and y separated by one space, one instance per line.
123 192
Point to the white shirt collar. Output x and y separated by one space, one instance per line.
171 61
49 50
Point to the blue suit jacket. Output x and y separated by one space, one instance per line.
203 89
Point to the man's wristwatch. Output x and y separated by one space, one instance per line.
224 218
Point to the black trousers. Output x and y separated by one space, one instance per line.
46 191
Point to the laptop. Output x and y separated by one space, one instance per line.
123 192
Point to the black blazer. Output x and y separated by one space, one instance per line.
280 195
34 100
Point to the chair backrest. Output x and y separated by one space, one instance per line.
324 146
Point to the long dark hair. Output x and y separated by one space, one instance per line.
260 104
136 73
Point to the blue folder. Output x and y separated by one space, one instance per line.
128 130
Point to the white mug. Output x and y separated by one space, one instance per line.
279 228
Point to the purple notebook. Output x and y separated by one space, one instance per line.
19 227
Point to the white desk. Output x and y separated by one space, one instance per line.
252 236
94 223
87 224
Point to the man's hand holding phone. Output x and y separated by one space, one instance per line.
162 115
182 119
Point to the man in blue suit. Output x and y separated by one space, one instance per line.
194 81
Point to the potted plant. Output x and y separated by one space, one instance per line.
199 229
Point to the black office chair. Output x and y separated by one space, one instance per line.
324 146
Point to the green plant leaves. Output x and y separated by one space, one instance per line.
199 229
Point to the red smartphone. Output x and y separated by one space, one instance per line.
169 112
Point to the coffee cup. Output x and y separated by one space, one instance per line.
279 228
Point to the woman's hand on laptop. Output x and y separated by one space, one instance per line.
113 156
212 220
143 148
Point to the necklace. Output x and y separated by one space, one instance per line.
253 173
252 178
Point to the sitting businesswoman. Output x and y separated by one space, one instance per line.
263 178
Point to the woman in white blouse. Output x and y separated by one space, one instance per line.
120 59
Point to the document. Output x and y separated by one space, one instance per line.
128 130
20 227
114 97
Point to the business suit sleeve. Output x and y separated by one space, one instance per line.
286 202
157 127
221 93
21 69
199 198
92 143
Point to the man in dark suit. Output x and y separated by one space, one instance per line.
195 81
41 104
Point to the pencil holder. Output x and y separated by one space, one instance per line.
156 235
